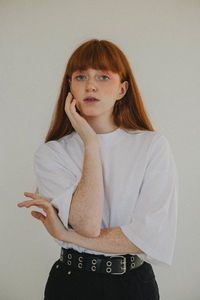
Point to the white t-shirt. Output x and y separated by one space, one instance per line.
140 187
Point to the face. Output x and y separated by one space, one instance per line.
103 85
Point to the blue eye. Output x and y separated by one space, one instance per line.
105 76
79 76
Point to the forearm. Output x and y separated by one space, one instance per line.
86 208
110 240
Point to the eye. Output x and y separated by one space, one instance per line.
79 76
105 76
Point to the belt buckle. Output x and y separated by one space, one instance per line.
124 263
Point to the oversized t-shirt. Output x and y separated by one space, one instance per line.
140 187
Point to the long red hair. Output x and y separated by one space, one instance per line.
128 112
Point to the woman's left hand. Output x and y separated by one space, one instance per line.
51 221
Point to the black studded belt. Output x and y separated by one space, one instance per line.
118 265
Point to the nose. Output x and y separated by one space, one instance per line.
90 88
90 85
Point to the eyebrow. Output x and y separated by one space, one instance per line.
103 71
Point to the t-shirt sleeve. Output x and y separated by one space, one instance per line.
153 224
56 182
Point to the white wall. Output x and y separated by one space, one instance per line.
161 42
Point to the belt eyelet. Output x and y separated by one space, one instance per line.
80 258
132 258
93 268
94 261
132 265
108 270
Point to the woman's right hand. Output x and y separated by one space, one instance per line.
81 126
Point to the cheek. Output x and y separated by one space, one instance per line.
72 89
111 88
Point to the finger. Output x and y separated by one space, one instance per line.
31 195
44 204
72 107
31 201
76 116
40 203
68 101
67 108
24 203
38 215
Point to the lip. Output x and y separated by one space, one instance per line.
90 97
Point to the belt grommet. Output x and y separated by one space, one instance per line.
69 262
69 255
80 265
132 265
132 258
108 270
57 266
94 261
69 272
108 263
80 258
93 268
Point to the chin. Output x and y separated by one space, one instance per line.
89 114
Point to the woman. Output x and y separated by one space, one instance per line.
107 182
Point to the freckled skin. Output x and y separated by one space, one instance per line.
105 86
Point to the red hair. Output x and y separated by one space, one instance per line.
128 112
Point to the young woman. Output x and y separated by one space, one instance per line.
107 182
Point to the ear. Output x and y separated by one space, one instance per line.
122 90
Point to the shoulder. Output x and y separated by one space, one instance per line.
160 155
54 150
141 133
155 144
151 138
54 147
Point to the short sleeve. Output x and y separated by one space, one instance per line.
56 182
153 223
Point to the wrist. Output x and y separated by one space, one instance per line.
66 236
92 145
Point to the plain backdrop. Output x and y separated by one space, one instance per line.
161 41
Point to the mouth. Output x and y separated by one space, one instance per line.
91 100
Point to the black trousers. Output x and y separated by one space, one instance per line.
66 283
